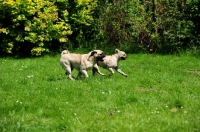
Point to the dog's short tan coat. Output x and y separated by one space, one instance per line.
81 62
110 62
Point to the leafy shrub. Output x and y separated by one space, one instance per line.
82 20
27 25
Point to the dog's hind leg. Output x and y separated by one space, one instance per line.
66 66
121 72
79 75
68 73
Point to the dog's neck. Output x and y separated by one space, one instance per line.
92 59
117 56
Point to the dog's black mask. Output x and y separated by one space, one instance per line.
100 57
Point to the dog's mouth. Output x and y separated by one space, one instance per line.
123 58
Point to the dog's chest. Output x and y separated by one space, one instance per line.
87 65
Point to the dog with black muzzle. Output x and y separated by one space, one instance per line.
110 62
81 62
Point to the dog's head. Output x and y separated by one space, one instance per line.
98 54
121 54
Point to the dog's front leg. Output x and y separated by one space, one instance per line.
85 73
121 72
111 71
96 69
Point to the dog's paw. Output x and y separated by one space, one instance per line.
110 74
125 75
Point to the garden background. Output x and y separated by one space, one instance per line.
160 94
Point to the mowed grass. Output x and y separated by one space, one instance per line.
160 94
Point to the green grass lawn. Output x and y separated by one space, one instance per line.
160 94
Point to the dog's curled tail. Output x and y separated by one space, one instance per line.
65 52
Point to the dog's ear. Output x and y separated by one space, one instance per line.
93 52
116 51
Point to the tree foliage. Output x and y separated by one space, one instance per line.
155 25
39 26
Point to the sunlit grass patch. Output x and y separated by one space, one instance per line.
161 93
